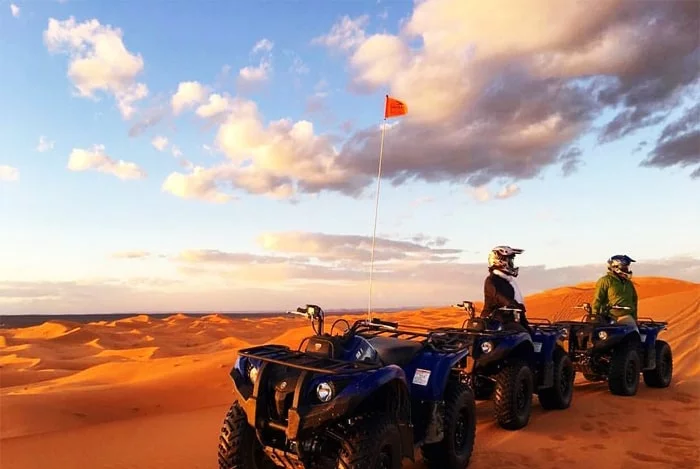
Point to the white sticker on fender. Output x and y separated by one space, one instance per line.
421 377
538 346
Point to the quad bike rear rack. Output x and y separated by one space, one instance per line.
445 340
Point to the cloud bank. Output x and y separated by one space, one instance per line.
301 267
495 91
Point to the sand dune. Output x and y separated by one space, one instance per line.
150 393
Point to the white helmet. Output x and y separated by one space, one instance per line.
501 258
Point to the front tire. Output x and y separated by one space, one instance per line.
512 396
372 442
662 374
239 447
455 449
560 395
623 378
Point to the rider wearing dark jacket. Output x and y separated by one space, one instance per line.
501 289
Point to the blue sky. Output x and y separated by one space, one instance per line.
85 240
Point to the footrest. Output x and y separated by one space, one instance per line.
283 458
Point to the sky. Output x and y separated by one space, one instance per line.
223 156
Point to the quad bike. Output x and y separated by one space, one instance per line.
603 349
361 398
510 365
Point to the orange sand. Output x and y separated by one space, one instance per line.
151 393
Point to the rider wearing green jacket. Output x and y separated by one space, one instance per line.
616 289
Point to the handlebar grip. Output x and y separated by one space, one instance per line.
385 323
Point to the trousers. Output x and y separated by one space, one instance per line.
627 319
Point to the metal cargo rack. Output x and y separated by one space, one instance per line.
283 355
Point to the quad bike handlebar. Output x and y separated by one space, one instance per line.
313 313
467 306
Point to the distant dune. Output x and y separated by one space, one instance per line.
150 392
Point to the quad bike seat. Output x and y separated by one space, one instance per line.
392 351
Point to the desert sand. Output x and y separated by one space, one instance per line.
151 393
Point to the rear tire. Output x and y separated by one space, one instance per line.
560 395
239 447
455 449
512 396
372 442
662 374
625 365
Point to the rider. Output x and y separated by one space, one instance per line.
616 289
501 289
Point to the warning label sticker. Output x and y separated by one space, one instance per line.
421 377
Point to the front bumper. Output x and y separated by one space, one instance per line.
282 400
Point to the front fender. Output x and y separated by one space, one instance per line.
430 371
503 348
615 336
353 390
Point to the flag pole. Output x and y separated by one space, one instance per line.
376 211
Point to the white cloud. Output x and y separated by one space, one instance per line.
160 143
480 193
95 159
483 194
15 10
262 159
175 150
215 106
188 94
99 60
508 191
44 144
298 66
131 255
263 45
345 34
9 173
252 76
199 184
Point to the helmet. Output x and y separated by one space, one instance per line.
620 265
501 258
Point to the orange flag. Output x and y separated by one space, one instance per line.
394 108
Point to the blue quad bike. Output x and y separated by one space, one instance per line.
603 349
363 398
509 365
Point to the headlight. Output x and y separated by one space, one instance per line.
324 392
602 335
486 347
252 373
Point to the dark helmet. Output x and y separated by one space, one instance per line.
620 265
